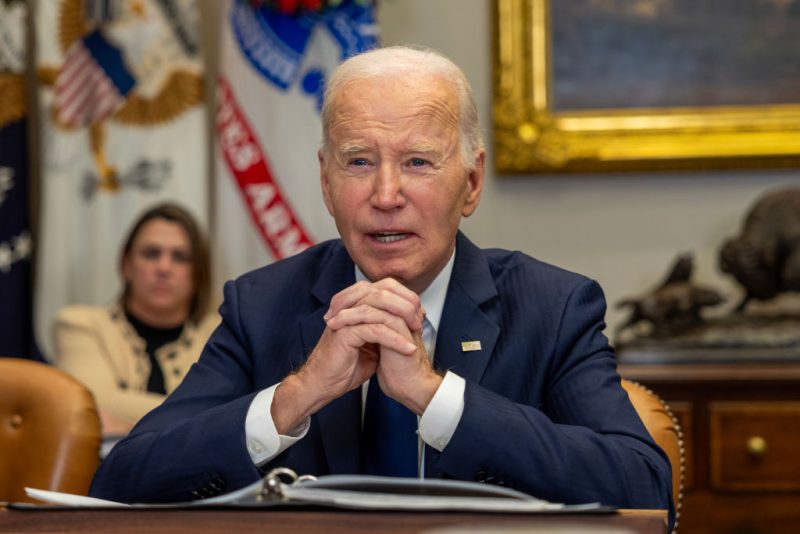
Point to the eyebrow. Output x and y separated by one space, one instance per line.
348 150
168 248
424 149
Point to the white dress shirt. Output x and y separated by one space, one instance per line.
437 423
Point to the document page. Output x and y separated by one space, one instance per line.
353 492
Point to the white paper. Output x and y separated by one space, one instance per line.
70 499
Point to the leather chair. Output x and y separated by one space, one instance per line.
665 430
49 431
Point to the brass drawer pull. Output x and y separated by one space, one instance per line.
756 446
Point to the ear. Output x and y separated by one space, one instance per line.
323 180
474 185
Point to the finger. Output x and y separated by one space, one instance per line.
392 285
347 297
408 311
417 336
379 334
420 352
365 314
388 294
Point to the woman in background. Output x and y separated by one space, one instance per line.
133 353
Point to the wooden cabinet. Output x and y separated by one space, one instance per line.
755 445
741 433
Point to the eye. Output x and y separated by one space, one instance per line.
417 162
358 162
181 256
150 253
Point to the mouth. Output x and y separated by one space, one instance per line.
389 237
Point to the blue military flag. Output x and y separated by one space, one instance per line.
16 329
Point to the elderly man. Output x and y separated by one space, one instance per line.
330 361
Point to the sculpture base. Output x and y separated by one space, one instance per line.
735 338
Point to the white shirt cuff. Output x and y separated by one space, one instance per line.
440 419
262 438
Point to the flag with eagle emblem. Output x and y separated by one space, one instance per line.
92 83
123 128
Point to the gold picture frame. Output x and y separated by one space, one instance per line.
530 136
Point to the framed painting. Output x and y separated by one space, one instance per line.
640 85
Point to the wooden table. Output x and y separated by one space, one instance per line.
323 522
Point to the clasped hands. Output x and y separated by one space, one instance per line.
372 328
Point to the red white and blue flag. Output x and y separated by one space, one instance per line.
92 83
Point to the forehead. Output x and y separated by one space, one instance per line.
161 231
427 105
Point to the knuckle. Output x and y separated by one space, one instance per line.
372 329
376 328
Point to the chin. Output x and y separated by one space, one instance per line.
164 306
381 271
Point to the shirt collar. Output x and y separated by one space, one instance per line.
433 297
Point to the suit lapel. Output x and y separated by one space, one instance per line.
336 274
468 315
340 421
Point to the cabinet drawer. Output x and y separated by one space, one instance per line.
754 445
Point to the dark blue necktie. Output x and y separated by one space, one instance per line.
389 437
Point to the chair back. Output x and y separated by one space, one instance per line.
49 431
665 430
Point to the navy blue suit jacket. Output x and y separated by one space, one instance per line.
544 411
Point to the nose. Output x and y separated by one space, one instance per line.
387 191
165 262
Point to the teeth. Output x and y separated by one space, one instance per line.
389 238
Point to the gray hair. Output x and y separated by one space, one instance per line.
396 61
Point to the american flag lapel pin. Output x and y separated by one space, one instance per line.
469 346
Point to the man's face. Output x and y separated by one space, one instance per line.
393 177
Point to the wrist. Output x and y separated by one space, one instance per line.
422 391
294 401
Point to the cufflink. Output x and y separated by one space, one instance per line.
254 446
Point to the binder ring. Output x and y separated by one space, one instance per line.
273 483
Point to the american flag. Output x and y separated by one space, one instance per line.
92 83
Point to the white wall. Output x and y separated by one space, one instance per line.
623 230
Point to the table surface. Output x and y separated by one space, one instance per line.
327 522
654 374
